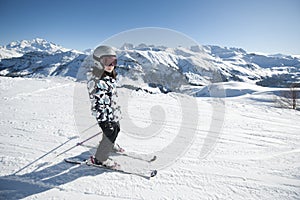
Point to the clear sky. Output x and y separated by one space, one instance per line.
269 26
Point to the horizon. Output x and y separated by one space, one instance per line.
266 26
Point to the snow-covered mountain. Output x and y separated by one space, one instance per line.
38 58
168 68
19 48
42 64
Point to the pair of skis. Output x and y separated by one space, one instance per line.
147 175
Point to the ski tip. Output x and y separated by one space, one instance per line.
153 173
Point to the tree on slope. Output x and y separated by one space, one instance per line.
290 98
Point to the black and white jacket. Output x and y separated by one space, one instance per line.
103 96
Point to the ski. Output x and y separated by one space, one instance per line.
123 152
86 162
141 157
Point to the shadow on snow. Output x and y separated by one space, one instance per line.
21 186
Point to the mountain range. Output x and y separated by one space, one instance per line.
170 69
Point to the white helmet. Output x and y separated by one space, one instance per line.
101 51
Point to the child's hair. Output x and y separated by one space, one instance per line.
113 74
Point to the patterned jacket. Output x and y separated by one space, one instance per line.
103 96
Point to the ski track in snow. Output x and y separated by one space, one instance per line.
256 156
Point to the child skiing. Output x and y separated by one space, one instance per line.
102 92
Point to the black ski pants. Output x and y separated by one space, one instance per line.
110 133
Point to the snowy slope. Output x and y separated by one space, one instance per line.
254 156
239 146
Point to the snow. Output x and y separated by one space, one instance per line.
37 44
220 140
255 153
160 65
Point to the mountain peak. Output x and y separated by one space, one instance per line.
39 40
127 46
36 44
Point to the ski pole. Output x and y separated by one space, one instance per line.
78 144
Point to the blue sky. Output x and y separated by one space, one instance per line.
269 26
